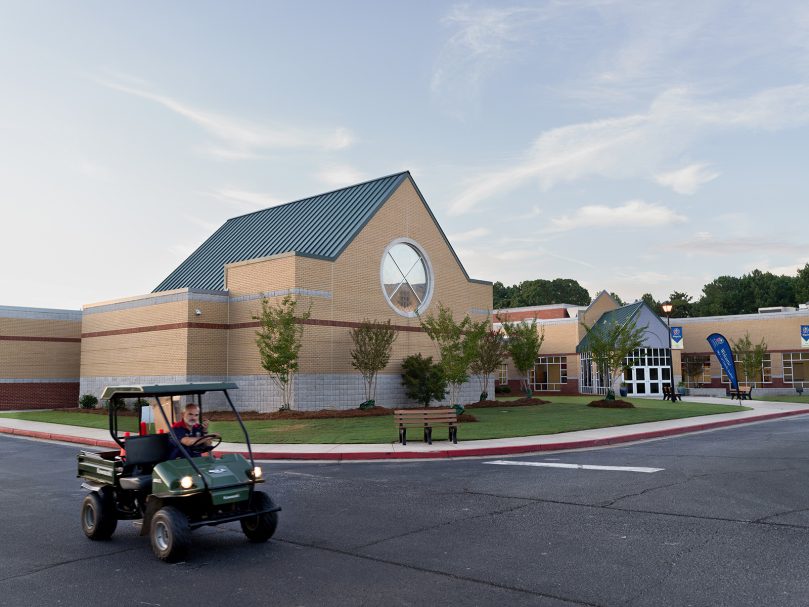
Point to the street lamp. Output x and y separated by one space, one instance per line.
667 308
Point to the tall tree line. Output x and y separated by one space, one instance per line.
722 296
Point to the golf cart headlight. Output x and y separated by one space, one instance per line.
257 472
186 482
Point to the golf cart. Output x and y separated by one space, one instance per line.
171 496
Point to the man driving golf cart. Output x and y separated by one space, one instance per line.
167 497
191 433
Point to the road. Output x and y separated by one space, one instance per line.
724 521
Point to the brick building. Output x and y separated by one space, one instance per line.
563 365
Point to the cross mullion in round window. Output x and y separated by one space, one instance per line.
406 278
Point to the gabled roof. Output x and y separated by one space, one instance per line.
621 316
321 226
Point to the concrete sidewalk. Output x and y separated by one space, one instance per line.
761 411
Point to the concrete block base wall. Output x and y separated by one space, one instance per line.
311 391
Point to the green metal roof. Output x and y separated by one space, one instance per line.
321 226
619 316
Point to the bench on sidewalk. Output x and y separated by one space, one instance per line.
742 393
426 419
669 394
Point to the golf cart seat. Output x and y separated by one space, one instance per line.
142 453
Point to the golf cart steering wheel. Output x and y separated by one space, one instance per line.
198 447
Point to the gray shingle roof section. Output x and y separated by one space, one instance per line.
320 226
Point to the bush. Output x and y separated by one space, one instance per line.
502 389
423 379
87 401
117 403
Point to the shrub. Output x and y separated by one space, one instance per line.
116 403
423 379
502 389
87 401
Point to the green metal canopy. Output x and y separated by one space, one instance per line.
165 390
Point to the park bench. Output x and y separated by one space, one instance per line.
426 419
742 392
669 394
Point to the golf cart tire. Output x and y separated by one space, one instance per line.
98 520
170 534
260 528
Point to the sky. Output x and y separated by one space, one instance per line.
632 146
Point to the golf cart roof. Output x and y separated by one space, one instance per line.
166 390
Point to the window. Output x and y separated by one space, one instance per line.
796 367
550 372
696 369
406 278
764 376
502 375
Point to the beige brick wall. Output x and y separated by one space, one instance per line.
29 348
260 275
149 353
39 360
353 281
29 327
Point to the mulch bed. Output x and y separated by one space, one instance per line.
520 402
611 404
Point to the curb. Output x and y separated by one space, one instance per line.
441 454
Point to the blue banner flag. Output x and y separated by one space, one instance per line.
721 348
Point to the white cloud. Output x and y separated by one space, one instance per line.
341 175
239 138
637 145
244 199
632 214
688 179
482 40
703 244
469 235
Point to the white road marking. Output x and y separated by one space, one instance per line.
502 462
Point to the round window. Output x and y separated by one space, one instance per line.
406 279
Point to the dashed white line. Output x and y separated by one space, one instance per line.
502 462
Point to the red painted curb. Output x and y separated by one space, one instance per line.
444 453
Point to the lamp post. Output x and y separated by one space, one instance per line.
667 308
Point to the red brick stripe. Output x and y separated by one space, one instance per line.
33 338
238 325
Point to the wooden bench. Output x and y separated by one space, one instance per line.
668 394
426 419
742 393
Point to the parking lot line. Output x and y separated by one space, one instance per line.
502 462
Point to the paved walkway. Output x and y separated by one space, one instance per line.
761 411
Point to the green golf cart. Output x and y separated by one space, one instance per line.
141 481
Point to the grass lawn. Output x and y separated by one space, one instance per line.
564 414
791 398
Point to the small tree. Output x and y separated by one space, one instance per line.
373 344
750 357
454 346
609 345
423 379
491 349
279 342
524 343
693 368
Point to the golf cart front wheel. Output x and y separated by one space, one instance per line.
170 534
98 520
261 527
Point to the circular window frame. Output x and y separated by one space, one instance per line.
428 267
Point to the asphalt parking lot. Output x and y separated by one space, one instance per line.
717 518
